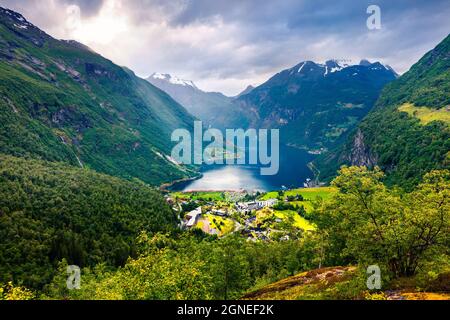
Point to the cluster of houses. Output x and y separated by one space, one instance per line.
247 207
192 217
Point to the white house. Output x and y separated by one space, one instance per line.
255 205
193 217
219 212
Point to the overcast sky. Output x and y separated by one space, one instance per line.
225 45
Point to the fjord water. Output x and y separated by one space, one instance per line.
292 173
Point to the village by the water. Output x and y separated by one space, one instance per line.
257 216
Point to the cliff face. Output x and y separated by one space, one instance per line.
361 154
397 141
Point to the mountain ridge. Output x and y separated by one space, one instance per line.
63 102
213 108
397 140
316 105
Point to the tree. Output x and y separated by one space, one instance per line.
230 269
369 223
301 211
11 292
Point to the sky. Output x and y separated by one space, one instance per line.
227 45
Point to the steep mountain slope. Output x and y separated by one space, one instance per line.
61 101
407 133
213 108
246 91
316 105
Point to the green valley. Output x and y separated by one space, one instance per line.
88 181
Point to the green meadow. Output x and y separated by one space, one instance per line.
309 194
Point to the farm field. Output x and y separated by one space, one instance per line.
299 221
425 114
307 193
200 195
223 226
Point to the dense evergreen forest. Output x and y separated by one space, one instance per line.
50 211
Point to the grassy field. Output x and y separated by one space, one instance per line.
307 193
224 226
200 195
299 221
426 115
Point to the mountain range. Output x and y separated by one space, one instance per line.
63 102
213 108
353 114
408 131
316 105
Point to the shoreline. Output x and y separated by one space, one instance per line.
165 186
215 190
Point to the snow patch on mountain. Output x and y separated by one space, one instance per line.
335 69
300 69
174 80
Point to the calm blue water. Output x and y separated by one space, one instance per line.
293 172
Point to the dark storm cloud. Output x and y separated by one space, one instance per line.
408 25
228 44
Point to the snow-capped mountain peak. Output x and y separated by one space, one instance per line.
18 20
173 80
332 66
329 67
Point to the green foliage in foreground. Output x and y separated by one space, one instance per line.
371 224
11 292
51 211
362 223
188 267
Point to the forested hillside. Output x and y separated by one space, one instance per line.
408 132
51 211
61 101
363 223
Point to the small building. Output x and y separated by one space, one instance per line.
193 217
247 207
219 212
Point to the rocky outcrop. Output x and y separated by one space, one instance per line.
361 154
